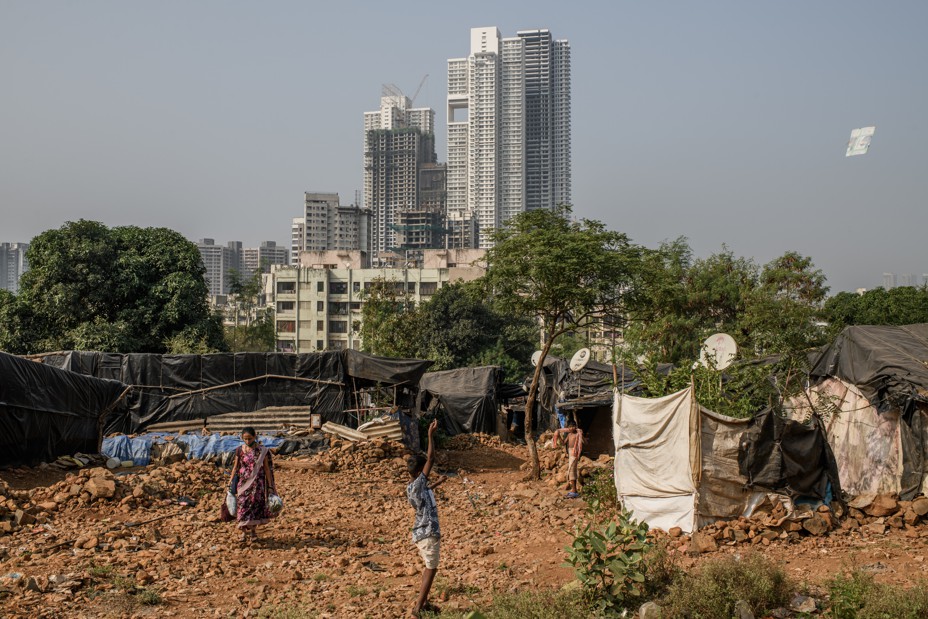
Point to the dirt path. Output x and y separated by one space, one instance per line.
342 548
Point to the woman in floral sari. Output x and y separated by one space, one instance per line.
253 482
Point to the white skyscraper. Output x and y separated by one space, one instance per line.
508 128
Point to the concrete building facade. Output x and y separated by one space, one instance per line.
219 262
318 305
13 263
262 258
327 224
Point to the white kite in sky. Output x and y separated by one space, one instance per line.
859 143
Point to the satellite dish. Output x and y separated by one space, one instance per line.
535 357
860 140
580 359
721 349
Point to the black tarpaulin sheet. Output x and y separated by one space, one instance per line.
788 456
46 412
188 387
888 364
467 397
370 369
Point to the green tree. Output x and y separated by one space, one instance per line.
682 301
781 313
904 305
252 327
389 323
566 275
124 289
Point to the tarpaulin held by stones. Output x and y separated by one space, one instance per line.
466 397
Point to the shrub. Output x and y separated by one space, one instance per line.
857 596
608 560
711 592
600 487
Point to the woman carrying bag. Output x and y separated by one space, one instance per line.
253 485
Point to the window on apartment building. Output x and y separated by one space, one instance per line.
355 306
338 308
337 344
306 306
286 326
338 326
356 286
411 287
320 325
286 346
428 288
286 287
320 286
320 306
338 288
306 325
286 306
320 345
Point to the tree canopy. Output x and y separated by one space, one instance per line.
562 274
772 309
456 327
123 289
904 305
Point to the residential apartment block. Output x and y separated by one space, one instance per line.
13 263
318 304
261 258
399 143
220 261
326 224
508 129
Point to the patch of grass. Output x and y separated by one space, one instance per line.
287 612
123 583
148 597
443 588
356 591
858 596
712 591
101 571
535 605
320 577
502 567
660 568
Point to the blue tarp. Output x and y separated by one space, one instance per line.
195 447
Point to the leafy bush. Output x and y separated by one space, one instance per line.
608 560
711 592
858 596
599 489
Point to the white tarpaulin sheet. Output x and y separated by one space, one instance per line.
654 449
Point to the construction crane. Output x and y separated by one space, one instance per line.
421 84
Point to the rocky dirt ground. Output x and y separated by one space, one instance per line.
92 543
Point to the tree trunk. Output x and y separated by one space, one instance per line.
535 470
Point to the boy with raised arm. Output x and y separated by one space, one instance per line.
425 532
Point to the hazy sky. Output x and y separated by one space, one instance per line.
725 122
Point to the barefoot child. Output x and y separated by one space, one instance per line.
574 448
425 532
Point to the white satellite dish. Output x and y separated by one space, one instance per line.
535 357
860 140
721 349
580 359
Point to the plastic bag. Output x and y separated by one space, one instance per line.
275 504
231 504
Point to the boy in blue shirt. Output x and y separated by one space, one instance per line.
426 534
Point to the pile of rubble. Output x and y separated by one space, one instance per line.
463 442
865 515
347 455
154 487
